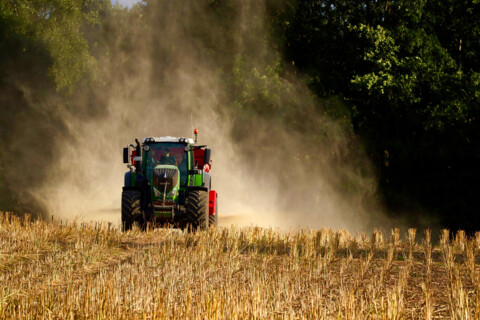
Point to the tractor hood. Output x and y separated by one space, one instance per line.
165 180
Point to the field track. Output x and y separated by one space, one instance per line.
93 271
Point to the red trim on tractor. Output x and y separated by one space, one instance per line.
199 156
212 202
199 160
134 154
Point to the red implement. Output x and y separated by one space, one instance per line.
212 202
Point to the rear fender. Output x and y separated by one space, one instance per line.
127 179
191 188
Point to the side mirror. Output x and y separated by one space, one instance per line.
125 155
206 156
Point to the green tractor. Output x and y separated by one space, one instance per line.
168 183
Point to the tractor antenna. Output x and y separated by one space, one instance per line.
191 121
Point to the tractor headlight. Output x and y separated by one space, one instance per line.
156 192
172 193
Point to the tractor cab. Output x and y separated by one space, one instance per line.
167 154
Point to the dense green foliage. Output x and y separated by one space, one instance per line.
404 75
410 72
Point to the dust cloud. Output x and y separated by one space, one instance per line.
298 169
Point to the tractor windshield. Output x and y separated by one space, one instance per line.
169 154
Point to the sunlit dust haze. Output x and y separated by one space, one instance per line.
280 167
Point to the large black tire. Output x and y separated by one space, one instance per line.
213 220
131 211
197 209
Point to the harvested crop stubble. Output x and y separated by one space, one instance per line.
51 270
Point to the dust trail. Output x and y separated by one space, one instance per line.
279 166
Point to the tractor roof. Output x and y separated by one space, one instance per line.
168 139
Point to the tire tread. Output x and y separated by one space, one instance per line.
197 209
130 208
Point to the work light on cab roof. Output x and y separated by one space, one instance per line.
169 182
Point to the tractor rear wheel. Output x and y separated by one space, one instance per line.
197 209
130 208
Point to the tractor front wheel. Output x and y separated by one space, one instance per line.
130 208
197 209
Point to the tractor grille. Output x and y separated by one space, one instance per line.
162 176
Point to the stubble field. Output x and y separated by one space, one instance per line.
94 271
